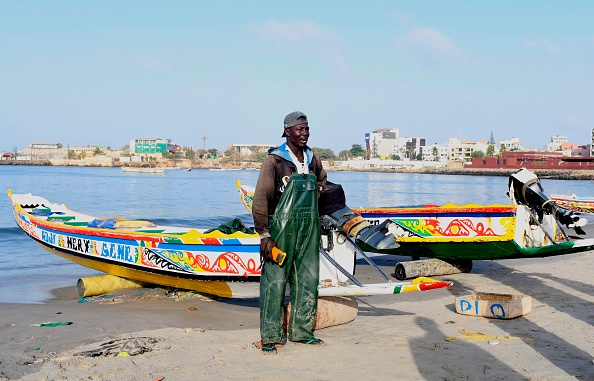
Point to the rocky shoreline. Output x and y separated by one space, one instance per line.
25 162
542 173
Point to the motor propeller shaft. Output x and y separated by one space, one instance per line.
359 229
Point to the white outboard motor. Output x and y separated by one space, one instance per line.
525 189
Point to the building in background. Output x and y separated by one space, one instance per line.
87 151
247 150
512 144
570 150
435 152
463 150
387 143
555 144
147 146
592 144
533 160
42 151
381 143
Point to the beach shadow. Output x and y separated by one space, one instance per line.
365 308
564 355
241 302
582 287
438 359
530 284
558 351
371 310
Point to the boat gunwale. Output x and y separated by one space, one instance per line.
195 237
443 209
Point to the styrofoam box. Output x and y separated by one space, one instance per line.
497 306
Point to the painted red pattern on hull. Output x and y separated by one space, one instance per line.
211 241
463 227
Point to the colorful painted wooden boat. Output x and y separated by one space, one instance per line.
474 232
208 261
530 226
573 202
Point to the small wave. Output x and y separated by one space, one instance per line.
11 232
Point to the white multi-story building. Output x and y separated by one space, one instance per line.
555 144
462 150
387 142
381 142
512 144
435 152
411 146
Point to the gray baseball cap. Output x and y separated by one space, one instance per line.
293 119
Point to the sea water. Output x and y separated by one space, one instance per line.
199 198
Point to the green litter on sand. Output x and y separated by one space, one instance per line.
53 324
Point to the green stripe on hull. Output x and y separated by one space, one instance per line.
478 250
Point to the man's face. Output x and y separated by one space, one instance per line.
298 135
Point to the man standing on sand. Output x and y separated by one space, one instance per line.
285 211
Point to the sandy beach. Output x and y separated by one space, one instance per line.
416 336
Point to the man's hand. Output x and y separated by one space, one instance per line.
266 245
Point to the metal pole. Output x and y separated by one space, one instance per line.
339 267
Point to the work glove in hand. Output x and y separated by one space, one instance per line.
266 245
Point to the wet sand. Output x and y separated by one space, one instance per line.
416 336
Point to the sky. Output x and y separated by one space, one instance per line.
209 74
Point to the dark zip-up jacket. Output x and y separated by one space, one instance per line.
274 175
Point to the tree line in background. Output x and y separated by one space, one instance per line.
491 149
323 153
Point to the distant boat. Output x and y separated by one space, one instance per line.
153 170
584 204
189 169
225 169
